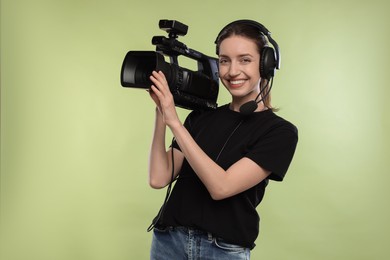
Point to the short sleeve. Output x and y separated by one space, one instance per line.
275 150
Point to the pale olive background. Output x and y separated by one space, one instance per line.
74 143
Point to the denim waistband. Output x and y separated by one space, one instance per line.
195 231
187 230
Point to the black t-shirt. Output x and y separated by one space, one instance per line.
227 136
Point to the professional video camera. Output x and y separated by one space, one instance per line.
190 89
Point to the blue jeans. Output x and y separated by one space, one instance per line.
180 243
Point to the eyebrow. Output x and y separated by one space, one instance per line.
240 56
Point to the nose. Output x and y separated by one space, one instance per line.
234 70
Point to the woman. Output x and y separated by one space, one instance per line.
222 159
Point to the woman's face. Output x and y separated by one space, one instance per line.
239 63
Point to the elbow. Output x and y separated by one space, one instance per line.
217 197
155 184
219 194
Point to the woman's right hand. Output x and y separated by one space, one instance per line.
163 98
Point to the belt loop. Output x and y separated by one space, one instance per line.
209 236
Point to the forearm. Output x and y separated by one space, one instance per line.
220 183
159 161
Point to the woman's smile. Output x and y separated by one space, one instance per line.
236 83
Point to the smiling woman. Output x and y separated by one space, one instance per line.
222 159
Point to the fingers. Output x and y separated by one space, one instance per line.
160 86
159 74
159 81
154 97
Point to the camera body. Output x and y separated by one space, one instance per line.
190 89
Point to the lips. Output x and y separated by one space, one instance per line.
236 83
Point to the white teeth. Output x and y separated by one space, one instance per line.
236 81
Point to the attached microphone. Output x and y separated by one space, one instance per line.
249 107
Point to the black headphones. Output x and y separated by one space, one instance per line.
270 57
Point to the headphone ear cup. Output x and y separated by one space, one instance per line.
267 63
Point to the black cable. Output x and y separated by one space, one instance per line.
227 140
266 94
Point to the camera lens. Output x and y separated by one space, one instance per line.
136 69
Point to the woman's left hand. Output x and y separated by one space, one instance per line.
166 104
